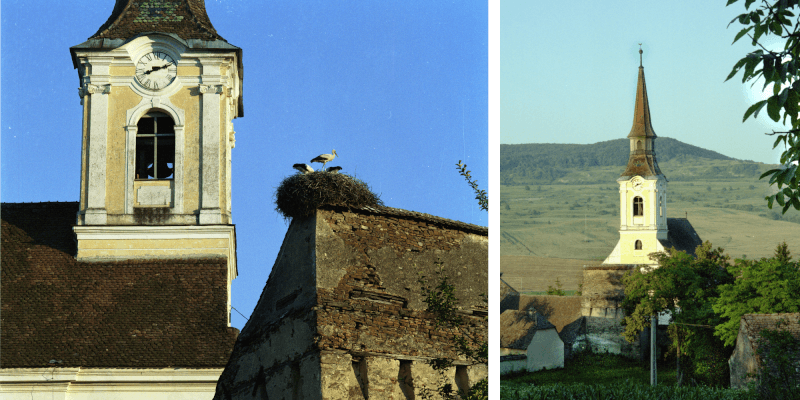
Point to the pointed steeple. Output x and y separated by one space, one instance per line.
642 160
641 112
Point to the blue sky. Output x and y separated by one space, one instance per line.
398 88
568 74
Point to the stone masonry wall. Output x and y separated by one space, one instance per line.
342 315
603 291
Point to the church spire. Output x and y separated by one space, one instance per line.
641 112
642 160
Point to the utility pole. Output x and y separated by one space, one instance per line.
653 328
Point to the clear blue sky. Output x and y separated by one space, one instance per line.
568 74
398 88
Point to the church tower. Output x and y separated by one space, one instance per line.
159 89
642 190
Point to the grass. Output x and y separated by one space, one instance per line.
588 367
605 376
577 219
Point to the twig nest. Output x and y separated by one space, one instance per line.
300 195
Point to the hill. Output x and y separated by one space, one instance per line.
570 209
540 163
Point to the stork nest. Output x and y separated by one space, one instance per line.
300 195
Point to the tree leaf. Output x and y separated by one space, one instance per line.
773 108
779 198
755 108
742 33
736 68
769 200
770 172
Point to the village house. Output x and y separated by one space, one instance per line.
745 362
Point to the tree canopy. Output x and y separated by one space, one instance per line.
779 69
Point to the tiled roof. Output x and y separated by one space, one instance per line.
681 235
641 163
185 18
399 212
126 314
517 328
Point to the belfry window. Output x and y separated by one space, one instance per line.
638 145
155 147
638 206
637 245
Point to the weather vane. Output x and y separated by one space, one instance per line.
640 54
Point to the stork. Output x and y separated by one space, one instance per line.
324 158
303 168
335 170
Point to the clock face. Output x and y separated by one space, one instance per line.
156 70
637 184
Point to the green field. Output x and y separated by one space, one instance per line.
581 221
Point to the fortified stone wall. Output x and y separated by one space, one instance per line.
603 291
342 316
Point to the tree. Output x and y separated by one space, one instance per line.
684 287
781 69
480 195
769 285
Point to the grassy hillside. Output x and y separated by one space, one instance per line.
576 216
525 164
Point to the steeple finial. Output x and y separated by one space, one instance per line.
640 55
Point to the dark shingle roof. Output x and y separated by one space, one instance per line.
185 18
517 328
126 314
681 235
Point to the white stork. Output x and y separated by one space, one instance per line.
335 170
324 158
303 168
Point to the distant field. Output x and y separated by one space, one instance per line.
580 222
535 274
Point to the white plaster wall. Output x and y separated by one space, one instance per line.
546 350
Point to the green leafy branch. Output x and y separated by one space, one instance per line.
782 70
480 195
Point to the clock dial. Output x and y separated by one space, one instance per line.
156 70
637 184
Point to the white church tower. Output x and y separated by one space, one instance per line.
642 191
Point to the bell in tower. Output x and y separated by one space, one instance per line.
159 89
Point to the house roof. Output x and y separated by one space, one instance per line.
517 328
185 18
124 314
752 325
681 235
509 297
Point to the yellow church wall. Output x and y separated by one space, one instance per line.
628 252
189 71
122 70
190 104
147 248
120 100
